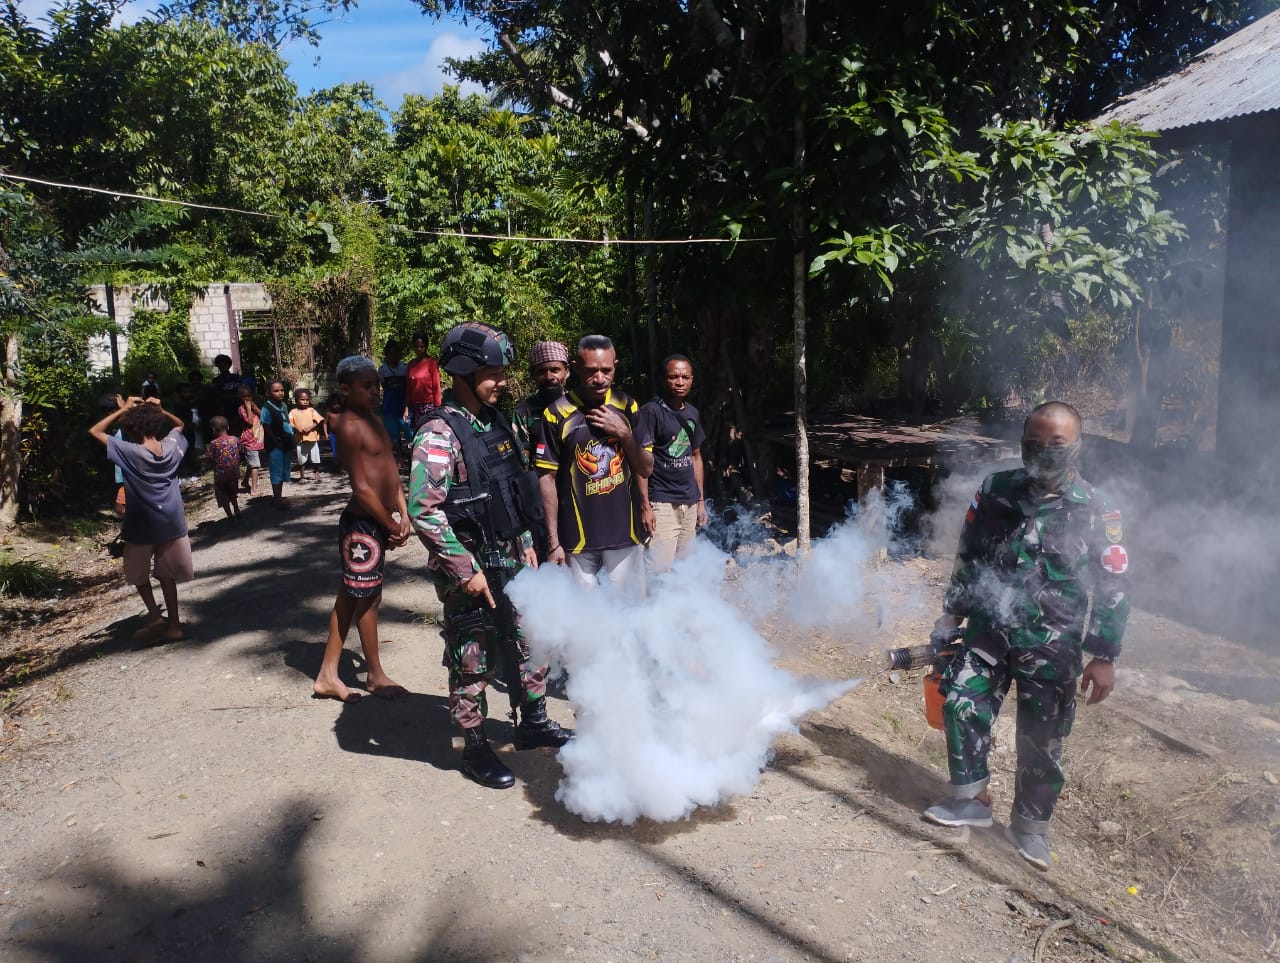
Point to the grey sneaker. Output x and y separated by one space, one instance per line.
1034 848
960 812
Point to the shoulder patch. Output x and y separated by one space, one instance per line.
1112 527
1115 560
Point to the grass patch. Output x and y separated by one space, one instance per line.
23 578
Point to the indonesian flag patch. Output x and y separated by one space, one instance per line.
972 513
541 450
1115 560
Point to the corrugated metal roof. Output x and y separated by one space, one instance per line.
1235 78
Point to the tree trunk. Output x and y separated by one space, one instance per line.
1151 345
651 291
793 25
10 433
361 324
731 390
633 295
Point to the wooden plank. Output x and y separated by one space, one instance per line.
1166 733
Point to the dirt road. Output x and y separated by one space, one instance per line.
193 801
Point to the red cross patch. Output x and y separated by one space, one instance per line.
1115 560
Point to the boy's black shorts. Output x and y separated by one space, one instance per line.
363 544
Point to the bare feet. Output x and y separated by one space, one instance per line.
383 687
334 689
150 628
159 631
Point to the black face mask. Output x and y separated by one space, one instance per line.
1049 465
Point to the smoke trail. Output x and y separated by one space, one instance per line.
677 697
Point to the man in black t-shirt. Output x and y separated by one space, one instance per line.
671 503
224 393
588 454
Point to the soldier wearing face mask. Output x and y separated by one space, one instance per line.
1038 543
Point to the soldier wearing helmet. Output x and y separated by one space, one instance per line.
473 502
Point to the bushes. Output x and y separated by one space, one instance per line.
28 579
159 342
61 464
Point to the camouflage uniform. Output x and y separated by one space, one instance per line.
437 466
1024 573
526 420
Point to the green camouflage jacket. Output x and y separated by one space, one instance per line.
438 466
1026 569
526 421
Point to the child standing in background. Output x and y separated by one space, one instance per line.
251 435
107 404
394 375
333 412
277 435
223 453
155 523
308 425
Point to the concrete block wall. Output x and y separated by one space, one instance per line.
209 328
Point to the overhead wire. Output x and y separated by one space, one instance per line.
419 231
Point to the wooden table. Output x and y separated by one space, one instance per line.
871 444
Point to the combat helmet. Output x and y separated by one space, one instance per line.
472 345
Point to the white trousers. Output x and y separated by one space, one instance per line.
623 567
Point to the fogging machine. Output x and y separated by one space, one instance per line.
941 648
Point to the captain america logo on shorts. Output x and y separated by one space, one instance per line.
361 552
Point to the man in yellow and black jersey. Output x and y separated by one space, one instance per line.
589 452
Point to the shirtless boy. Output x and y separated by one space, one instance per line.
367 529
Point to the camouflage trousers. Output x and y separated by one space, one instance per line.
471 654
975 691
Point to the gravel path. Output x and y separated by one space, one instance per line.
193 801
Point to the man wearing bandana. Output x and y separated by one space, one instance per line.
549 368
1038 543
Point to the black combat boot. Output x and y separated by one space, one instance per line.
536 730
481 763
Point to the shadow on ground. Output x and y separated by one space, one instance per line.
251 905
415 727
539 773
282 556
911 786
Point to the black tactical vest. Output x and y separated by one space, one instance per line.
500 496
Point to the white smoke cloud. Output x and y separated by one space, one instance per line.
677 696
845 584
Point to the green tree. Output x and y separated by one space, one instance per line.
271 23
463 167
41 315
934 130
176 109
